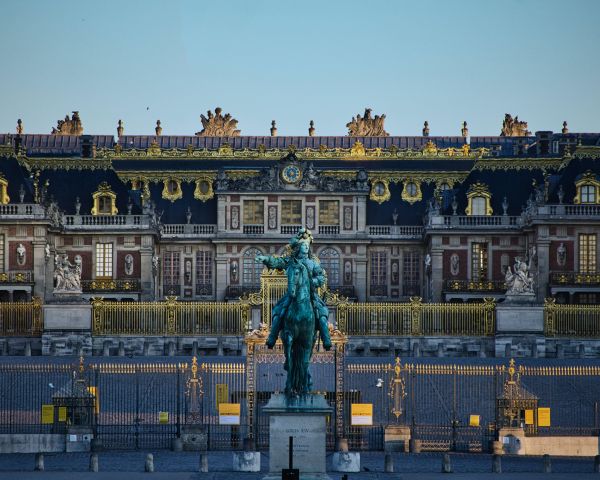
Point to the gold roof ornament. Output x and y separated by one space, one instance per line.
513 127
69 126
218 125
367 126
430 148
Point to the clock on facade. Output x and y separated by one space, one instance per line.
291 174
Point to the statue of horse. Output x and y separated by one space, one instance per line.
300 317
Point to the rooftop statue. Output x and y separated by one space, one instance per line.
69 126
367 126
300 317
513 127
218 125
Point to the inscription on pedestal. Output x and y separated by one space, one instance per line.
309 442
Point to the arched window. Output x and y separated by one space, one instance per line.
330 262
104 200
588 188
588 193
250 269
478 206
479 200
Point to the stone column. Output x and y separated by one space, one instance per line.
146 276
543 262
221 278
221 210
361 214
437 275
39 269
360 279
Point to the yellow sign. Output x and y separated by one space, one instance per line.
222 393
361 414
47 414
94 392
543 417
229 414
62 414
473 420
528 417
163 417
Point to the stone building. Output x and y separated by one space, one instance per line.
438 217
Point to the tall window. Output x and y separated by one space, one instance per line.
330 262
291 212
587 253
329 212
104 260
250 269
254 212
171 273
411 262
204 268
478 206
587 193
479 261
1 253
379 273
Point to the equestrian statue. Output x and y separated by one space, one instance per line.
300 317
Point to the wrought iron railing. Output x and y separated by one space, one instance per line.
237 291
417 318
110 285
343 290
574 278
571 320
17 276
21 318
475 286
169 318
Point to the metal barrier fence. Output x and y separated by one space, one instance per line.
571 320
417 318
147 405
169 318
21 318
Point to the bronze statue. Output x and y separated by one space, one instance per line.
367 126
218 125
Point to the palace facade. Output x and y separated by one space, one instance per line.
443 218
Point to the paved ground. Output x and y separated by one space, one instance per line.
180 466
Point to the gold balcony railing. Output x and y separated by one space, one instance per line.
571 320
417 318
110 285
21 318
475 286
16 276
574 278
169 318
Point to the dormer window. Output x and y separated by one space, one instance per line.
588 189
4 198
104 200
172 189
479 200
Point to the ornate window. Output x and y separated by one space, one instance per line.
250 269
329 212
479 262
104 200
330 262
479 200
171 273
379 273
4 198
587 253
254 212
104 260
411 262
172 189
291 212
380 190
411 192
588 189
204 268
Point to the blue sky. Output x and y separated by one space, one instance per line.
438 60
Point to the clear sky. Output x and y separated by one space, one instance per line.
444 61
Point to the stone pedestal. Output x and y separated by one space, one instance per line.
304 420
396 438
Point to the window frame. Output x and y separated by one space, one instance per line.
104 260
